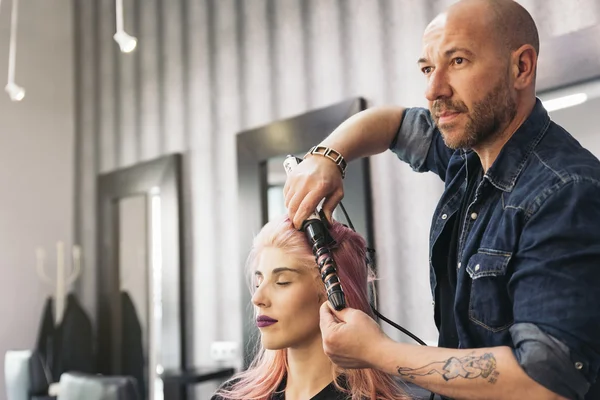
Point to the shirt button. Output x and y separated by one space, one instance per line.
474 215
444 216
477 267
579 365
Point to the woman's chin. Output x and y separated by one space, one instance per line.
270 344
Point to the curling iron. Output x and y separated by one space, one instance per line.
321 241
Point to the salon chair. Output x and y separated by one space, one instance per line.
25 377
76 386
16 374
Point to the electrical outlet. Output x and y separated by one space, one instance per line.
223 351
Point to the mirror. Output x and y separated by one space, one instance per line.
134 285
260 155
275 182
140 303
275 202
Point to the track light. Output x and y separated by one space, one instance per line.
127 43
16 92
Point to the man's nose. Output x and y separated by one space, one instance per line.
438 86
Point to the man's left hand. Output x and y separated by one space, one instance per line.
350 337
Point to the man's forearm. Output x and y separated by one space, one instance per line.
367 133
489 373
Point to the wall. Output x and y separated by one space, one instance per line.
36 153
207 69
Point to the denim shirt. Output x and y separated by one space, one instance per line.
528 270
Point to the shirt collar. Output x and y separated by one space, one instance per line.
507 167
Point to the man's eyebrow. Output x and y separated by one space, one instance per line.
448 53
451 51
278 271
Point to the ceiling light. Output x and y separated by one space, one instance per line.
127 43
16 92
564 101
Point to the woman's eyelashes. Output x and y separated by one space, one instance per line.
280 283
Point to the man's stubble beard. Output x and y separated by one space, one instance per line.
485 122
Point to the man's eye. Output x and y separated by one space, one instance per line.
459 60
426 70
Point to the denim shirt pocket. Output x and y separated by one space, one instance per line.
489 305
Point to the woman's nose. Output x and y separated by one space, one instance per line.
260 297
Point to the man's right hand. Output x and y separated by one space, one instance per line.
314 179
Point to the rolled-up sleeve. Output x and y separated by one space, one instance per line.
548 361
419 143
555 287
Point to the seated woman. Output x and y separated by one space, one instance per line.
290 362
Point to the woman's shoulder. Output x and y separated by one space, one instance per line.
227 385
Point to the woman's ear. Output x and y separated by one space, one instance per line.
320 288
322 295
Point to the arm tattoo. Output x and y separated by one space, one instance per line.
469 367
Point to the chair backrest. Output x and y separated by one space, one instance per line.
77 386
16 374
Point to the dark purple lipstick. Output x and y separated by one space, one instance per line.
263 321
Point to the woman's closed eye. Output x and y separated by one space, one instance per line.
277 283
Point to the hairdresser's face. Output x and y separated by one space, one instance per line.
288 293
467 72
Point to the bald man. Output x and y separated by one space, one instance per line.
515 239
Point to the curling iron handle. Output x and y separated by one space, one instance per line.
337 300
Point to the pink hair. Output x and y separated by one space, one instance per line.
269 367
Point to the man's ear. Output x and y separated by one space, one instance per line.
524 65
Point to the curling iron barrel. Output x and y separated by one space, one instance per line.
320 240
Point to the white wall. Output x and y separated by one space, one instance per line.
36 163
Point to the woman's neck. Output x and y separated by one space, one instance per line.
309 370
